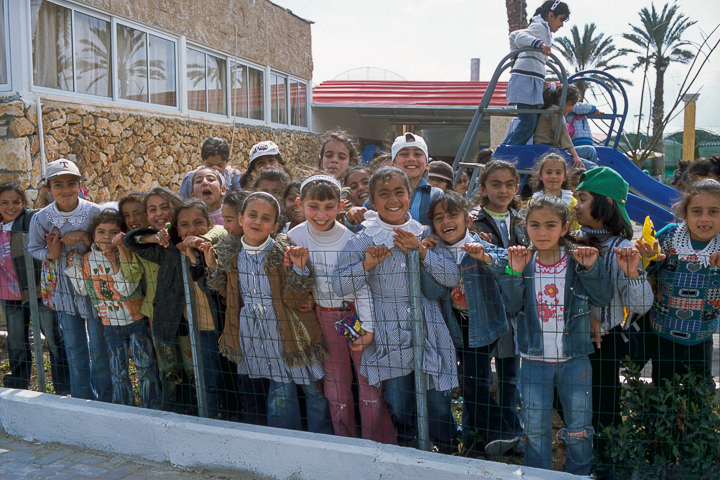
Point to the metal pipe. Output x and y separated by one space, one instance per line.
35 315
418 330
41 135
195 346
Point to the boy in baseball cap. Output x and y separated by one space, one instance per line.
263 155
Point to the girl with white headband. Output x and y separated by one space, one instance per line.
320 240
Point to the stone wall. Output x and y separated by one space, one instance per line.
121 151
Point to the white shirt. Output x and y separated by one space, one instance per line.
457 250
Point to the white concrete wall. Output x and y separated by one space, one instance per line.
348 119
190 441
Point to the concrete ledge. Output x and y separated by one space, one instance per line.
191 441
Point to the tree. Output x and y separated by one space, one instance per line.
516 14
658 42
589 52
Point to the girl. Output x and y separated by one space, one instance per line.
192 221
231 211
372 260
215 154
440 175
481 320
463 182
97 275
357 180
497 216
551 179
703 168
547 125
208 186
54 231
293 212
324 239
551 289
525 88
265 332
263 155
14 292
338 153
605 225
272 181
684 314
131 208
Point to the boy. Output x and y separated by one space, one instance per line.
215 154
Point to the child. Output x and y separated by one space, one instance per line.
131 208
324 240
338 153
54 231
525 88
293 211
231 210
703 168
463 182
684 314
192 222
371 260
215 154
409 154
265 332
440 175
497 216
578 127
472 304
208 186
357 180
262 155
547 124
272 181
551 289
605 225
97 275
14 292
551 179
680 175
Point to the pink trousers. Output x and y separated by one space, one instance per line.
375 419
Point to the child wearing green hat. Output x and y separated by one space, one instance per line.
604 224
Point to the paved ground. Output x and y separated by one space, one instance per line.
21 460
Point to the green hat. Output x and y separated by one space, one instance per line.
606 182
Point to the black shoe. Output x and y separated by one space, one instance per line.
501 445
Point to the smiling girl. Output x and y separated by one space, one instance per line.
551 178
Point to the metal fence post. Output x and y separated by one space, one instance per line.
35 315
418 326
194 339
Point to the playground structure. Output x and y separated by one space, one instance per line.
647 196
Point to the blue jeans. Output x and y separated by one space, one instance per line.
88 381
136 338
525 128
573 380
17 317
588 155
399 394
509 393
212 373
284 408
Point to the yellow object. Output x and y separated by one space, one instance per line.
648 235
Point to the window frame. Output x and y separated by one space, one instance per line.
8 51
289 79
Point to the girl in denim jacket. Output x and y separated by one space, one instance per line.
551 289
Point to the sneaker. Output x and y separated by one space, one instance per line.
501 445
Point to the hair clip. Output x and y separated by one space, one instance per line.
552 86
325 178
554 5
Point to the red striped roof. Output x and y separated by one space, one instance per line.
350 92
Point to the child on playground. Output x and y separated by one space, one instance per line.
525 88
551 288
215 154
54 231
376 259
551 178
266 333
323 239
97 275
576 121
208 185
686 261
337 154
469 305
15 295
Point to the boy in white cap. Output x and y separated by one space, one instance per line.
55 231
263 155
409 154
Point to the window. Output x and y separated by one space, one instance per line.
52 46
298 104
4 57
93 55
247 98
288 96
146 67
278 96
206 82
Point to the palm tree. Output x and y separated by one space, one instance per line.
658 43
589 52
516 14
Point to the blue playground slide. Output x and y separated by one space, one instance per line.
647 197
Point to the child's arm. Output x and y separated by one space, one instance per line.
593 276
75 273
583 109
350 274
124 285
38 241
524 38
145 243
512 285
631 281
493 258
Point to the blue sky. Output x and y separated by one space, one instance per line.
435 40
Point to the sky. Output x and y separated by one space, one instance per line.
435 40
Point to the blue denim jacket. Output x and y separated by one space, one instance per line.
583 288
486 312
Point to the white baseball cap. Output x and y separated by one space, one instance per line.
62 166
409 140
262 149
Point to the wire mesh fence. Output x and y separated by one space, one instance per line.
562 365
